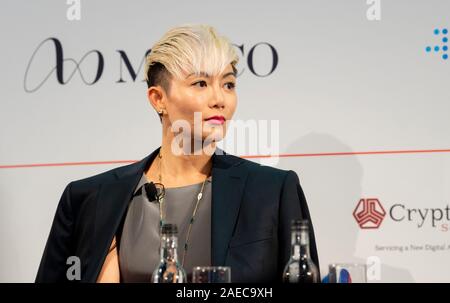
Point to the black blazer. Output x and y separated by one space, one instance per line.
252 209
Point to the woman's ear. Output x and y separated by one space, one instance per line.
155 96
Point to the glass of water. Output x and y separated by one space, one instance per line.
211 274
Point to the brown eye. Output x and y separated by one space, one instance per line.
231 85
202 83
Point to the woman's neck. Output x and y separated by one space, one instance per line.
180 170
190 166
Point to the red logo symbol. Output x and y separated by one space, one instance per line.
369 213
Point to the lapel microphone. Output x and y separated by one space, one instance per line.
151 191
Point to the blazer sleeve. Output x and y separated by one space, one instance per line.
293 206
58 247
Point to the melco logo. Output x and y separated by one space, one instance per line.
369 214
91 72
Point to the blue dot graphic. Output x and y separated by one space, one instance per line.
436 48
445 48
436 31
445 31
445 39
428 49
445 56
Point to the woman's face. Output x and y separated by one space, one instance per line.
210 96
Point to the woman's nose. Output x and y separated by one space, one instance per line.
217 98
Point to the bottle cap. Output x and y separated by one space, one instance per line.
300 225
169 229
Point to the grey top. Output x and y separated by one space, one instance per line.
140 241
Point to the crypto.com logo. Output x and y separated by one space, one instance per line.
369 213
91 71
438 46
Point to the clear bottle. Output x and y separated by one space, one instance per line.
168 269
300 267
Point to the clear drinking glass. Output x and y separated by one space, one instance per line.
347 273
211 274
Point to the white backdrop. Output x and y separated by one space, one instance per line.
343 86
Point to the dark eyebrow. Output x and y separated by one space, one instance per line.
208 76
228 74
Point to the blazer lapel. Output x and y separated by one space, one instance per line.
228 181
111 206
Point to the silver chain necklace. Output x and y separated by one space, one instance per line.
160 198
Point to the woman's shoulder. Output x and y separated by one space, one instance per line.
262 171
93 182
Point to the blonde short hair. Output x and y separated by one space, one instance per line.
189 48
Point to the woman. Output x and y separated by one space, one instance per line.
240 219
